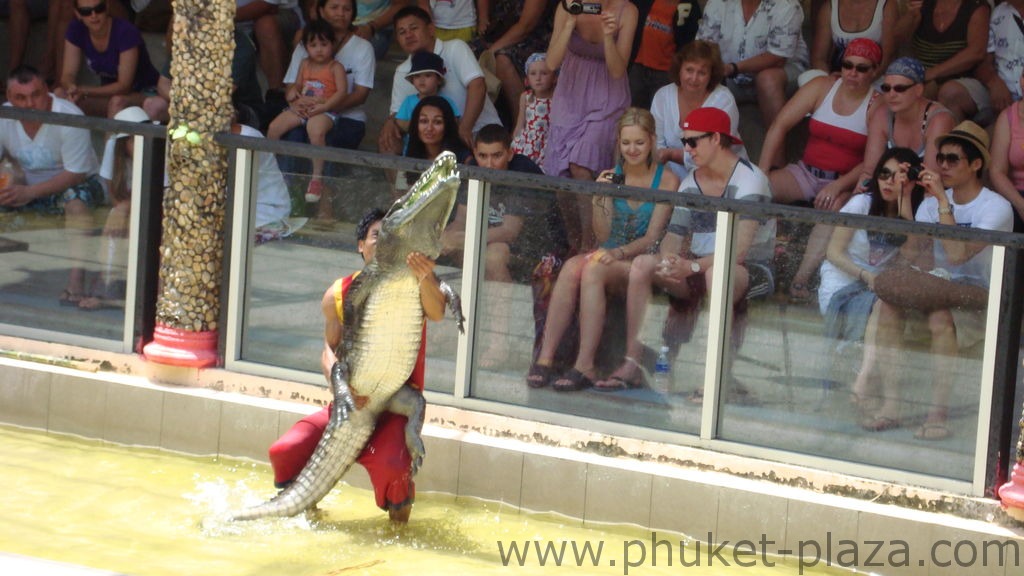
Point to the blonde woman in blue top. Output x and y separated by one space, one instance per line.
624 229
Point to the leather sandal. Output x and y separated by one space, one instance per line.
539 376
572 381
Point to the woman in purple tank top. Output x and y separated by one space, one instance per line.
114 50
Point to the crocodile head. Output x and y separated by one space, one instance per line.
416 220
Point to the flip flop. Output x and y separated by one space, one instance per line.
880 424
932 431
96 303
572 381
799 293
539 376
616 383
70 299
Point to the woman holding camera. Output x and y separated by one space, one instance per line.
591 43
625 229
855 257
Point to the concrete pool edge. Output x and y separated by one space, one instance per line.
484 456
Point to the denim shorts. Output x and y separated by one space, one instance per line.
90 191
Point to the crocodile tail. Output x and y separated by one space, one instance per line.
334 455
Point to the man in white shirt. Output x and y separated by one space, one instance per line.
60 169
954 196
463 79
764 52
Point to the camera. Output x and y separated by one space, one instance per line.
914 173
618 179
576 7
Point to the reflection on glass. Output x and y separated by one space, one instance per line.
885 370
65 254
297 257
291 275
512 316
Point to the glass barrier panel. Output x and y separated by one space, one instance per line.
300 247
544 308
880 364
65 256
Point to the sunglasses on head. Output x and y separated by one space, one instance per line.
951 159
862 68
90 10
692 140
897 88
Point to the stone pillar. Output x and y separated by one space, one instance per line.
192 245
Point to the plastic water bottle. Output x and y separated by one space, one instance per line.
662 371
6 174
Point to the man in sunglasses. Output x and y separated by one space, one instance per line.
683 267
908 119
953 297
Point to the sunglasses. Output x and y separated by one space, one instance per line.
897 88
951 159
862 68
90 10
692 140
885 175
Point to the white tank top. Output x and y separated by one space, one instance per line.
841 38
856 122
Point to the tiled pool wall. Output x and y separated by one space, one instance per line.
584 487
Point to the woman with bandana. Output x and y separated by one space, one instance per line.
839 109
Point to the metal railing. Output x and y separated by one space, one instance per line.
998 360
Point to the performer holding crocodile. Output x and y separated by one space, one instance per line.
391 298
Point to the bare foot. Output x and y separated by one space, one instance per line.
400 515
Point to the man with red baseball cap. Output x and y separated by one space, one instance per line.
683 268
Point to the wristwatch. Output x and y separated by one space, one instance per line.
695 267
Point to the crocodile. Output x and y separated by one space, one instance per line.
383 321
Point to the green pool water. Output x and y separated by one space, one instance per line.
148 512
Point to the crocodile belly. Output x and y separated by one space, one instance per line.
387 341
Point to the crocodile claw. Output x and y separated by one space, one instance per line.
454 304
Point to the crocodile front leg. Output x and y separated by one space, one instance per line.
454 304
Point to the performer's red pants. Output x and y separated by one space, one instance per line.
385 457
